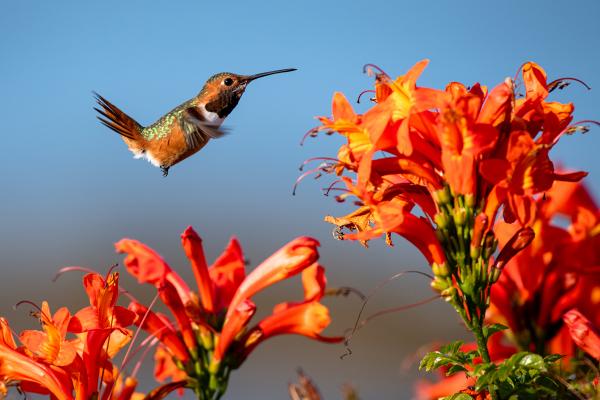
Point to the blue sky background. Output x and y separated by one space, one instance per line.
69 188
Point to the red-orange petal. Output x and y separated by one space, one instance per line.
148 267
584 334
192 244
288 261
228 272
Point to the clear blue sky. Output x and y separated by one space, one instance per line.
69 188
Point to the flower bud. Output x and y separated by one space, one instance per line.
449 293
441 219
439 284
440 270
495 275
479 228
489 245
442 196
460 216
518 242
470 200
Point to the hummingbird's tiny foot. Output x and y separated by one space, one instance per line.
165 170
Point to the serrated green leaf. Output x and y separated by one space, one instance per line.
454 369
491 329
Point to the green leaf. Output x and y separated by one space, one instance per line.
450 354
454 369
489 330
552 358
533 361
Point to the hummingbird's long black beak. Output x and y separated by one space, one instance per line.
278 71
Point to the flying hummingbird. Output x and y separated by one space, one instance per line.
185 129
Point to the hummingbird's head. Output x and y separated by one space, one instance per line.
222 92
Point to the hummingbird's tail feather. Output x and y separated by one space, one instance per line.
115 119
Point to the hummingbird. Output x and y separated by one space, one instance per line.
187 128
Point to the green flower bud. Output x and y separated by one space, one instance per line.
441 270
460 216
441 220
439 284
443 196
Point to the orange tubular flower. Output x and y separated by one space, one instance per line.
50 345
437 167
555 273
71 368
424 163
583 332
103 313
477 143
18 367
211 335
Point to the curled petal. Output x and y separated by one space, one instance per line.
234 324
307 319
15 366
341 108
314 282
148 267
498 105
288 261
6 337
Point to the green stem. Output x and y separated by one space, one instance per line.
481 342
477 329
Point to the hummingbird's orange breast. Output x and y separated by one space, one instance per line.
172 148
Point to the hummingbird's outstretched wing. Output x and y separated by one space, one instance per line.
197 130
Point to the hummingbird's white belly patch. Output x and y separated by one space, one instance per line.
147 156
211 117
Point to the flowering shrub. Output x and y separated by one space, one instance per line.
209 337
465 174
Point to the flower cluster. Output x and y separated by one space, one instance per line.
72 357
542 286
549 293
465 175
210 335
437 166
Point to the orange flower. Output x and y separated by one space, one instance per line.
211 331
103 313
557 272
583 332
467 131
423 163
50 345
49 362
18 367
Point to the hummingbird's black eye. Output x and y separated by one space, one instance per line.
228 81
